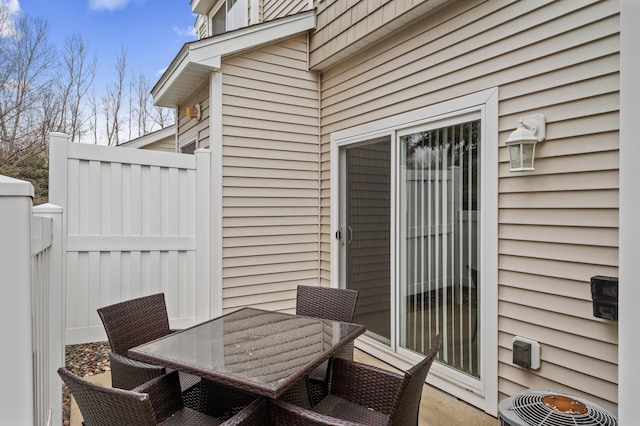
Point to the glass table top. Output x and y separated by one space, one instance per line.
256 350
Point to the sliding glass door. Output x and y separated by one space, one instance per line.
438 242
435 289
414 209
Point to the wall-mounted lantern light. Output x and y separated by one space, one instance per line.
522 141
194 111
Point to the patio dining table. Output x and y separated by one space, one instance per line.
255 350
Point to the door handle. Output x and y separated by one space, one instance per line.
349 234
339 235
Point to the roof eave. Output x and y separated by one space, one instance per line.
198 59
202 7
150 138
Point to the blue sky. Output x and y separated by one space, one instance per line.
150 31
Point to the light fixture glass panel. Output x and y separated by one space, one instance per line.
528 151
515 156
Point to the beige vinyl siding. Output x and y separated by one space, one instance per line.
167 145
202 30
270 176
273 9
558 226
191 128
341 23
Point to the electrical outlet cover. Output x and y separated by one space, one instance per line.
535 350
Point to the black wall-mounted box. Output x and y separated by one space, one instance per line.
522 354
604 293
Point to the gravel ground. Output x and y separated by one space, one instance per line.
83 360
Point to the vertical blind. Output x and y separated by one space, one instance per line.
439 259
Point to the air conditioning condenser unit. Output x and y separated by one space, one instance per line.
537 407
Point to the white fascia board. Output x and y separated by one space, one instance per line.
205 56
209 58
254 36
200 68
179 62
149 138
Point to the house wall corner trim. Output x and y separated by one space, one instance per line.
629 231
215 129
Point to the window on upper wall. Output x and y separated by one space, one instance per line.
219 21
230 15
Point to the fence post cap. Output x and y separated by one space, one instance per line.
11 187
47 208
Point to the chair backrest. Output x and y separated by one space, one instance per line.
104 406
327 303
407 403
256 413
134 322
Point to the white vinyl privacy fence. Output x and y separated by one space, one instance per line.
30 307
122 223
135 222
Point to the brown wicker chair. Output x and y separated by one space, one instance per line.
363 395
132 323
156 402
224 402
325 303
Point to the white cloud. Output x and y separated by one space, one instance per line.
185 32
8 12
13 6
109 5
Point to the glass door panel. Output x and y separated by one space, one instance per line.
438 247
365 239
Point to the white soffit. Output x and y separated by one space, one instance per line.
197 59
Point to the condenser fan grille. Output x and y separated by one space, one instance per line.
542 408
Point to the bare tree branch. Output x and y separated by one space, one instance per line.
77 76
112 100
24 79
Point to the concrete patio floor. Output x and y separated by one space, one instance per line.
436 407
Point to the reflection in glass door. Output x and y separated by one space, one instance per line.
365 233
438 243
